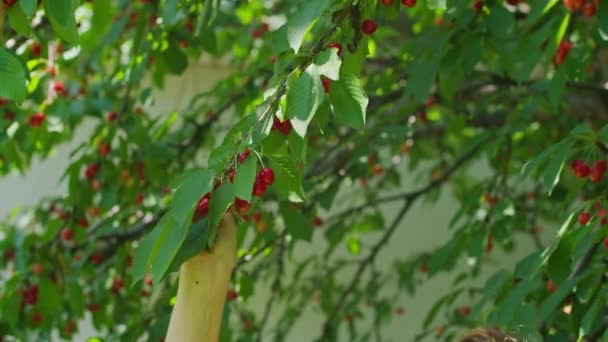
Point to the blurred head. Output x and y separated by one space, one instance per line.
488 335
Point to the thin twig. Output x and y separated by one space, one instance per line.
275 290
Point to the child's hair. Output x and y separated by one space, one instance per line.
488 335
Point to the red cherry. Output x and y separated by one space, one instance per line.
202 208
93 307
104 148
112 116
232 295
369 27
259 188
242 156
91 170
9 254
36 49
601 213
148 281
597 170
37 268
377 169
580 169
317 221
231 176
326 83
266 175
139 198
145 293
477 5
430 101
388 3
30 295
37 119
464 311
408 3
606 243
604 221
83 223
489 199
490 243
550 286
399 311
242 206
96 258
67 234
58 87
9 3
574 5
584 218
256 217
70 328
117 284
335 45
589 10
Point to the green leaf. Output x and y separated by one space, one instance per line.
369 224
302 20
506 309
148 247
169 244
49 298
602 17
590 319
194 244
12 76
221 199
175 59
303 98
349 101
296 223
245 285
169 12
19 21
423 71
245 178
28 6
288 179
549 305
190 187
436 4
328 63
76 298
556 165
500 21
61 16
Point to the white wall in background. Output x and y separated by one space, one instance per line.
423 228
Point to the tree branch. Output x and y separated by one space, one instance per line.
275 290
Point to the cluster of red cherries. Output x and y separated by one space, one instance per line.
595 172
263 180
588 8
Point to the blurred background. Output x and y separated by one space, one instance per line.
425 227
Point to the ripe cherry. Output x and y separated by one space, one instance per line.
317 221
326 83
597 170
266 176
96 258
242 206
117 284
408 3
606 243
83 222
232 295
369 27
337 46
37 268
112 116
231 176
104 148
9 254
9 3
388 3
589 10
584 218
477 5
37 119
30 295
148 281
91 170
242 156
67 234
282 126
574 5
259 188
202 207
377 169
580 169
399 311
464 311
36 318
59 87
550 286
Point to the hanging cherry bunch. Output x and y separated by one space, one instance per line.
588 8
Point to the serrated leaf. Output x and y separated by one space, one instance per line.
288 179
297 224
61 16
175 234
245 178
554 168
304 96
328 63
49 299
349 101
169 12
19 21
302 20
549 305
194 244
12 76
148 247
